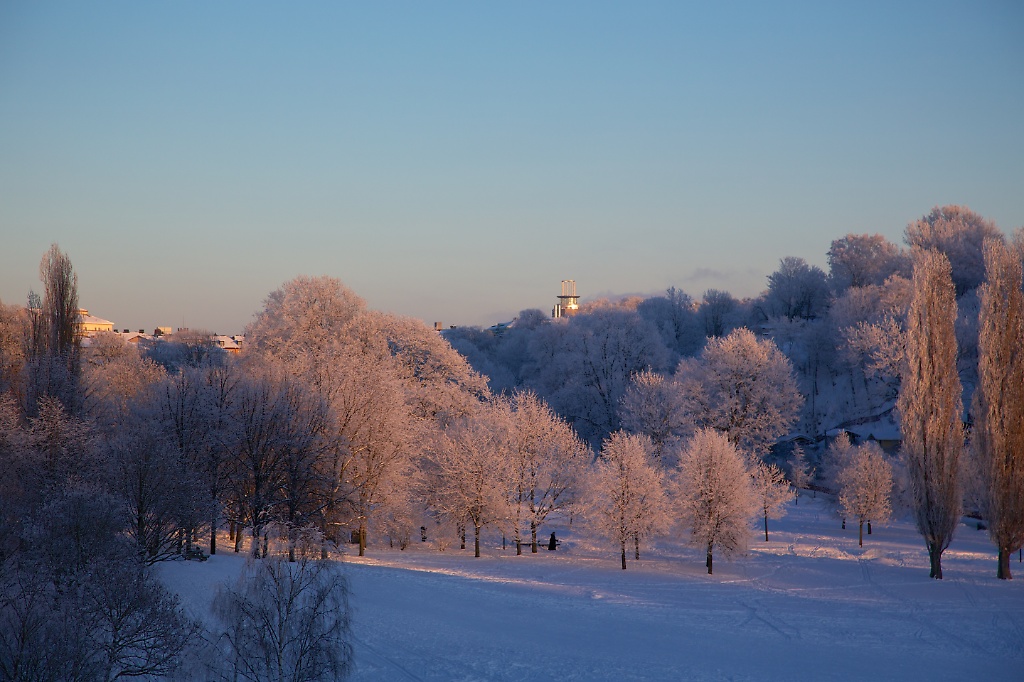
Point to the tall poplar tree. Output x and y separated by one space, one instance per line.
998 412
930 405
54 348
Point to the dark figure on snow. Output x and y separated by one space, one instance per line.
552 543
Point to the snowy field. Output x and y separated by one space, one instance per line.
809 604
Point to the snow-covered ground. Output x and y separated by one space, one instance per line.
809 604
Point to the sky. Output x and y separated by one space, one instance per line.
454 161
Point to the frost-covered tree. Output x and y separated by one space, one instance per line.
368 431
53 366
14 331
114 377
283 622
797 290
958 233
930 406
186 348
152 487
194 407
837 457
998 434
673 316
865 487
547 458
470 469
716 311
772 492
801 473
715 497
652 406
582 366
301 322
387 382
743 387
262 431
860 260
626 493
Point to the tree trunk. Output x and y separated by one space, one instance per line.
766 527
623 543
519 548
362 538
231 531
1003 572
709 562
860 534
636 546
255 549
533 537
213 534
238 538
476 541
462 535
935 559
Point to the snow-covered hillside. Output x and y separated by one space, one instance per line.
809 604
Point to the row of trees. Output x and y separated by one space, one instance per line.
341 422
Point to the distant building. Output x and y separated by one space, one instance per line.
232 344
90 325
568 301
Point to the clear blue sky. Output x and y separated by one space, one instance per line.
454 161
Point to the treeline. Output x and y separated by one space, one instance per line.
338 424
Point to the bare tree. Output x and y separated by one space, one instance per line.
134 627
772 492
715 498
152 491
865 487
998 435
626 493
113 621
284 622
258 428
930 406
